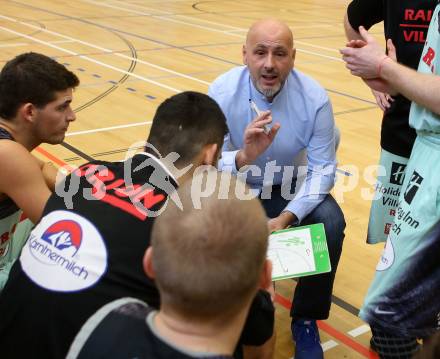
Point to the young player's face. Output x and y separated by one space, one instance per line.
53 119
269 56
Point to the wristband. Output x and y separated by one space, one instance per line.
380 64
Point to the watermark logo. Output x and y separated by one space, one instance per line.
163 169
150 180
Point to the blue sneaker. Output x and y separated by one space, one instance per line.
307 342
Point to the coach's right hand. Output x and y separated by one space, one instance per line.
255 140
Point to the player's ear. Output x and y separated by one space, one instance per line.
244 53
210 154
27 111
148 262
266 275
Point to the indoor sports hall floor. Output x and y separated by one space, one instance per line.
131 55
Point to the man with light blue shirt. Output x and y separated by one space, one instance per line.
251 96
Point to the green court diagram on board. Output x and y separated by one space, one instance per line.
298 252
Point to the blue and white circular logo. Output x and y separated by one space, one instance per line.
65 252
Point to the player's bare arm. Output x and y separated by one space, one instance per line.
21 179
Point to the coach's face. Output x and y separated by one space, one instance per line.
269 55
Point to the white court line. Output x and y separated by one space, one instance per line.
18 44
293 28
320 55
76 133
316 46
110 52
62 41
329 345
156 16
238 29
88 59
91 60
120 8
359 330
209 28
71 39
184 16
234 28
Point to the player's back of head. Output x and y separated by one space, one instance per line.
185 123
208 261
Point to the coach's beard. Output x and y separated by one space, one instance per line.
269 93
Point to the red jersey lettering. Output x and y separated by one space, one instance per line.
133 199
414 36
409 13
420 15
429 56
4 238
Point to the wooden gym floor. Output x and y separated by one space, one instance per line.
131 55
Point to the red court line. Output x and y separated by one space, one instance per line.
53 158
366 352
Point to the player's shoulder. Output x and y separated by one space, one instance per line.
12 151
17 167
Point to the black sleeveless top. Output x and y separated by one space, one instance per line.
7 206
101 198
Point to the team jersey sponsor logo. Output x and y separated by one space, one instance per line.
397 173
65 236
413 186
387 259
65 252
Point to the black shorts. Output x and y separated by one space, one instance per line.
260 321
389 346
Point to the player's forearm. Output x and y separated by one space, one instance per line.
424 89
350 33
